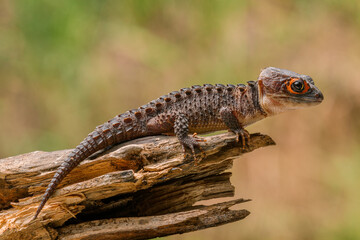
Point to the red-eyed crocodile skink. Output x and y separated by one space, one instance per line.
198 109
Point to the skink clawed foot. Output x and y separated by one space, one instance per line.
244 136
192 142
197 138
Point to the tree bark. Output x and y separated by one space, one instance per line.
140 189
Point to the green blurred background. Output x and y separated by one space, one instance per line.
68 66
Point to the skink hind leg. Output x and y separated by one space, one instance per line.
181 129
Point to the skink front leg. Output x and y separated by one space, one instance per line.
230 120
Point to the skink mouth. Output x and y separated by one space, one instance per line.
307 100
316 99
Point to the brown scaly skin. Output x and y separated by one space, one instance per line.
198 109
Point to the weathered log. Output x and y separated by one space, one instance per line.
140 189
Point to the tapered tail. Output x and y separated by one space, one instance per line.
103 136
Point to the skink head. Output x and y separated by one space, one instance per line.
281 90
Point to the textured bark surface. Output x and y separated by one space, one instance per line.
140 189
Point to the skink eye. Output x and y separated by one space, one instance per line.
297 86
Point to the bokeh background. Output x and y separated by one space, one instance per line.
68 66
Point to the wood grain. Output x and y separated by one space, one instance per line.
140 189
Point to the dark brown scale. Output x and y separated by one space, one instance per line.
132 121
197 88
127 120
129 129
187 91
132 112
101 141
149 110
208 87
197 105
176 96
251 83
216 98
159 104
255 97
115 129
206 114
109 136
241 87
96 136
219 87
138 115
230 87
92 144
83 149
116 124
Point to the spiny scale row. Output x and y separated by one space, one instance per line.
157 105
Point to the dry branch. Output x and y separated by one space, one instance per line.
140 189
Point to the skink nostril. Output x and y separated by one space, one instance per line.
319 95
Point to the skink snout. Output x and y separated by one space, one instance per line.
319 96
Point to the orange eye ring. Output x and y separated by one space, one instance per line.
304 89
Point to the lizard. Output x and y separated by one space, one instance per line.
198 109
